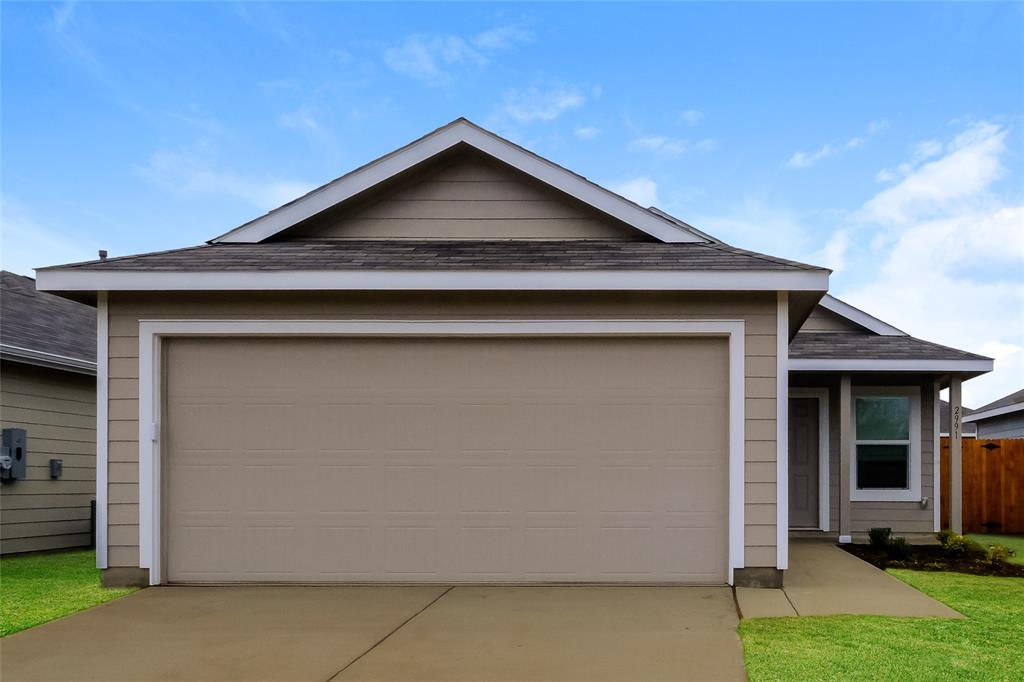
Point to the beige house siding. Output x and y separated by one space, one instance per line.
466 198
58 412
757 310
902 517
824 320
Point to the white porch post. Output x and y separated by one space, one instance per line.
956 518
845 450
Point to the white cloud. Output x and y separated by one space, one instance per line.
431 58
427 57
642 190
939 255
923 150
190 173
503 37
802 159
26 244
587 132
971 164
536 104
671 146
808 159
300 119
691 117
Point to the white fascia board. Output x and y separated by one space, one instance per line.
459 132
860 317
869 365
994 412
43 359
438 280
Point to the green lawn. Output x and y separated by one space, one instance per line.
37 588
988 645
1014 543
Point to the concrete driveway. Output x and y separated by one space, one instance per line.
389 633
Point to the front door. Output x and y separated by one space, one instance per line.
803 462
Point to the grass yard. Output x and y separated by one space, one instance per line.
1014 543
988 645
37 588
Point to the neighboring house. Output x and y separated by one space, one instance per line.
967 429
1003 418
462 362
47 388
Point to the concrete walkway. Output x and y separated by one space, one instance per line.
388 633
824 580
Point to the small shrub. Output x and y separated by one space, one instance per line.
880 537
898 549
960 546
943 535
998 555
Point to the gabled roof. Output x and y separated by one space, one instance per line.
875 346
1005 405
42 329
442 265
433 254
866 351
859 317
461 132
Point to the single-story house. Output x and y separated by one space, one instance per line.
48 396
1003 418
463 362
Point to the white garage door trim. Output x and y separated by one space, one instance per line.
151 333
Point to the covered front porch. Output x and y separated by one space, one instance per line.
864 453
863 418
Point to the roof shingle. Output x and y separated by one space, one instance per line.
861 345
447 255
45 323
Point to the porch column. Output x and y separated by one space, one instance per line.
956 498
845 449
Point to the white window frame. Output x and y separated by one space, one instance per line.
153 332
913 492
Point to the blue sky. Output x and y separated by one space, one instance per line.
882 140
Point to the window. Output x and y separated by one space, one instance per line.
887 444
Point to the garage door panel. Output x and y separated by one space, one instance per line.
271 487
411 552
345 487
360 560
485 487
212 487
446 460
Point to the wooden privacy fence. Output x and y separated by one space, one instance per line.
993 485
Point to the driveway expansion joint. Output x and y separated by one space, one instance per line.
383 639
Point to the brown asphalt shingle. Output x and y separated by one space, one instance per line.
447 255
43 322
861 345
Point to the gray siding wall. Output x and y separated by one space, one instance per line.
467 198
1004 426
823 320
58 412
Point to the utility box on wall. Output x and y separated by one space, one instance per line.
13 454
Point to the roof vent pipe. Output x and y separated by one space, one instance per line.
103 254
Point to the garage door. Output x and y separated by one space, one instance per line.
446 459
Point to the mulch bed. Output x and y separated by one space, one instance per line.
933 558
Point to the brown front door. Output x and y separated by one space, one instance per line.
803 462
